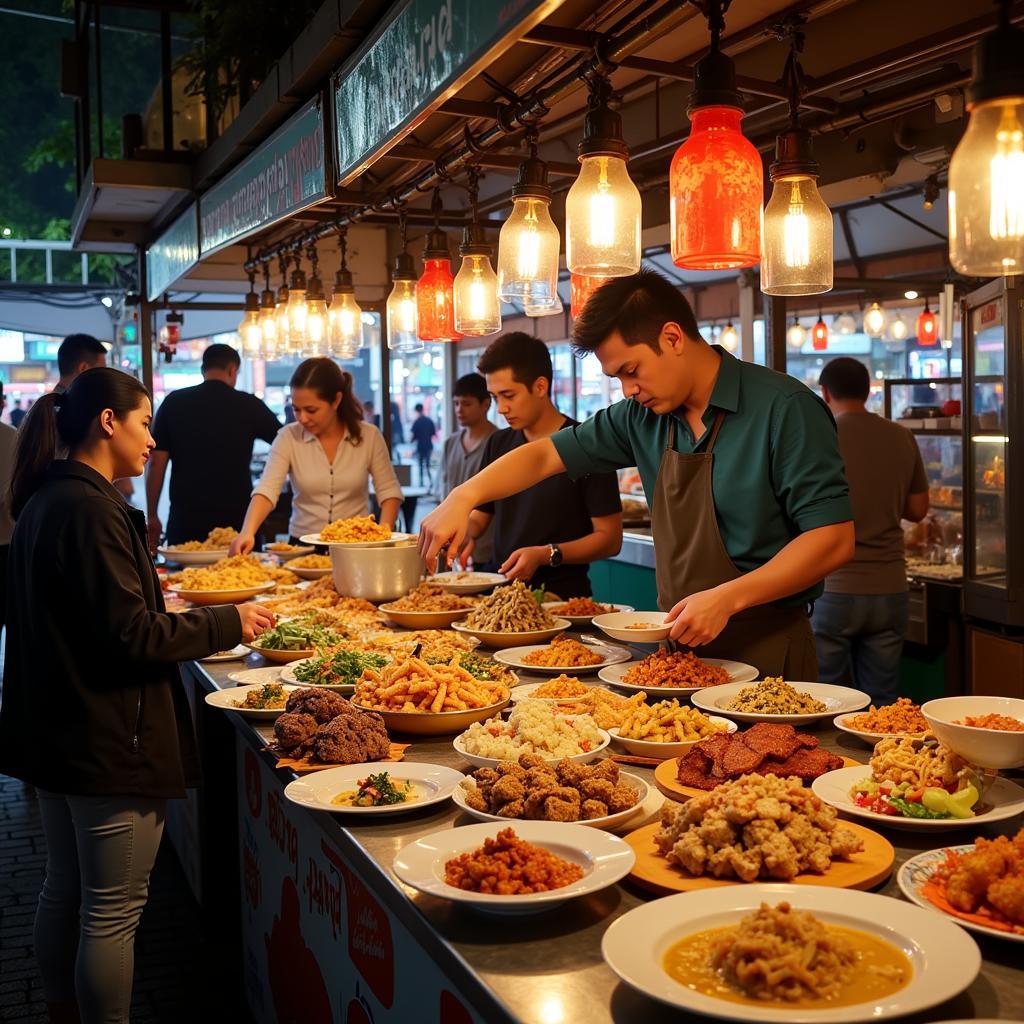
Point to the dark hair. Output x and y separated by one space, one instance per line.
220 357
64 420
845 378
526 356
472 385
78 348
418 407
328 380
637 307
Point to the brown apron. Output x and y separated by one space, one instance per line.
690 556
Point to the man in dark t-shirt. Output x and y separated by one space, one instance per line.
548 534
423 432
207 433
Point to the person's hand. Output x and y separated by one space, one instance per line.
255 620
524 562
156 529
446 525
242 544
699 618
465 559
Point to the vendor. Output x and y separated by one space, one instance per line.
749 504
328 454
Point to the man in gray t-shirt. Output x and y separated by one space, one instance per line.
861 620
464 450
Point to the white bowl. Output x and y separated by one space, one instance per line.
435 784
605 860
466 582
201 557
650 748
423 620
533 636
297 550
310 574
615 625
479 761
987 748
837 699
551 607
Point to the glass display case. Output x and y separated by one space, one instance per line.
993 418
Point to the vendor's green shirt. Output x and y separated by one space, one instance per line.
777 469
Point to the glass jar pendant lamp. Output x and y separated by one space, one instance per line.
297 309
729 339
435 290
927 327
344 317
796 336
250 330
316 343
268 318
477 308
874 320
602 209
986 173
283 330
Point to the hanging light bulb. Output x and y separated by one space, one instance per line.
477 309
580 290
986 173
250 330
344 317
435 290
898 328
927 327
528 243
403 330
796 336
874 320
316 312
729 339
283 325
298 311
602 209
268 318
844 324
819 334
715 181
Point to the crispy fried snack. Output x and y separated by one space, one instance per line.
675 668
356 529
411 685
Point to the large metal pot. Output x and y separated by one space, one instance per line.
376 574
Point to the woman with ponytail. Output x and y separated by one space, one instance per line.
94 715
328 454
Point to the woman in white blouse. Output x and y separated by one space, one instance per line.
328 454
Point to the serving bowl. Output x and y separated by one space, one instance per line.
987 748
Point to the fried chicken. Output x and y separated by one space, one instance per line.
323 705
293 730
994 873
352 739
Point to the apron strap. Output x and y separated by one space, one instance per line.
717 426
671 443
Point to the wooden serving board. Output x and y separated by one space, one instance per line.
864 870
303 765
665 778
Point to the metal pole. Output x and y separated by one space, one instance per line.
99 81
385 380
747 285
145 326
165 85
775 332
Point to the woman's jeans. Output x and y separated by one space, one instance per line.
860 641
99 854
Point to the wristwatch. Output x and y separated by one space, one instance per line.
555 558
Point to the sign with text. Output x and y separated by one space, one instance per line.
416 61
174 253
285 175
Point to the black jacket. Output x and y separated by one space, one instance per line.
93 702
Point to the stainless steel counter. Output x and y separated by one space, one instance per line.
548 969
637 548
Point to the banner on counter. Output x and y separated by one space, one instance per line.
413 63
318 945
284 175
174 253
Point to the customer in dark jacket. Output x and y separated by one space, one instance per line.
94 715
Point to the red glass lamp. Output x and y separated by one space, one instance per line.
435 290
927 327
580 290
819 335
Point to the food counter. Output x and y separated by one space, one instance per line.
327 933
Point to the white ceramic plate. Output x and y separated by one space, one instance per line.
583 620
515 657
288 676
605 860
608 821
286 556
229 699
478 761
252 676
527 690
837 700
395 538
1005 799
211 597
235 654
309 574
945 959
193 557
870 738
649 748
915 872
739 672
466 582
433 784
615 625
505 640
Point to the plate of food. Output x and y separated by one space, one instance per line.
773 700
598 795
311 567
413 696
987 731
466 581
261 700
765 748
201 552
903 718
551 862
838 955
373 790
294 640
235 654
555 691
252 676
510 617
337 670
533 727
427 606
666 729
236 596
978 885
563 654
288 552
634 627
356 532
676 673
708 842
580 611
920 785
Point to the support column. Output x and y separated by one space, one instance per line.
747 287
775 332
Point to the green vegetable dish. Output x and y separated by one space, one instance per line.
341 668
298 636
